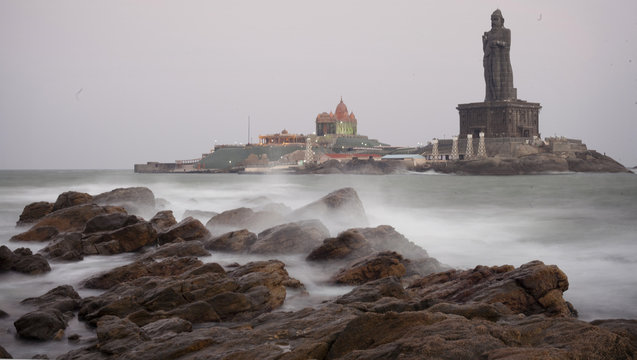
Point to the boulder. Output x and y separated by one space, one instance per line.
163 220
136 200
41 325
292 238
65 220
71 198
34 212
341 208
533 288
62 298
115 336
386 238
347 245
23 261
110 222
144 267
126 239
373 267
64 247
234 241
188 229
147 291
39 234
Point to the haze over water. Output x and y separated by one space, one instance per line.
583 223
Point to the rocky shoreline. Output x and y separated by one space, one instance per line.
170 303
589 161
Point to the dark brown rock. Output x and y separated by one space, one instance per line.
146 267
292 238
532 288
63 298
234 241
44 233
65 220
373 267
23 261
188 229
64 247
110 222
41 325
191 294
116 336
71 198
163 220
34 212
126 239
348 244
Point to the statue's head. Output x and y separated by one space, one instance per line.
497 21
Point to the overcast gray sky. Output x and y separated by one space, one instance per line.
106 84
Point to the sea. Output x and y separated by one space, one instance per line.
586 224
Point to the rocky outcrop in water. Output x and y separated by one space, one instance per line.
50 319
589 161
22 260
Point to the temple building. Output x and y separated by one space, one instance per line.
282 138
340 122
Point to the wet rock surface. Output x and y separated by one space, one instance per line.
34 212
23 261
50 319
168 302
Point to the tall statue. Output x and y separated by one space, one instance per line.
498 74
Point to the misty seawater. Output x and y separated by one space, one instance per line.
584 223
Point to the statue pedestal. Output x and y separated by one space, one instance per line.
513 118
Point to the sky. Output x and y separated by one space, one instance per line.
106 84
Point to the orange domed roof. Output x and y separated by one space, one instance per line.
341 111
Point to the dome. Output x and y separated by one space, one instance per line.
341 111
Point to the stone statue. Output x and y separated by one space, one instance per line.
498 74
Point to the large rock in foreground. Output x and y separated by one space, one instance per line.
533 288
49 320
377 320
193 292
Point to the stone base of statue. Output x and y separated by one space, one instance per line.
502 118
